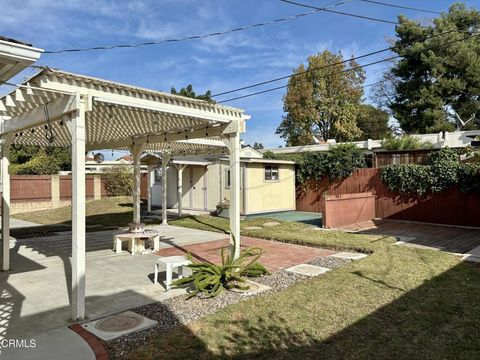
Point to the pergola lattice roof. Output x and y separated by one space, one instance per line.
117 115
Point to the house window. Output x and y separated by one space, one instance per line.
227 178
271 172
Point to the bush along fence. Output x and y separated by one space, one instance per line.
443 191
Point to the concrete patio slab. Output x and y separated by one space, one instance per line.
60 343
17 223
35 293
457 240
307 269
473 255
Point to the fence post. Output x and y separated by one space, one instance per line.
55 185
97 187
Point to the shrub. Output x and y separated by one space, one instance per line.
469 178
119 181
210 279
405 142
41 164
338 162
441 172
442 156
407 178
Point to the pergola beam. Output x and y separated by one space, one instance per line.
161 138
55 109
198 113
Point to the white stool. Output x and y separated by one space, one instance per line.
170 262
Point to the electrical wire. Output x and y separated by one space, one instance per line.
201 36
401 7
341 12
376 52
343 71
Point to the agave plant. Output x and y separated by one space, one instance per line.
211 279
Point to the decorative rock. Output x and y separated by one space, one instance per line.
308 270
350 255
271 223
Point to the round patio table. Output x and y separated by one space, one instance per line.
136 240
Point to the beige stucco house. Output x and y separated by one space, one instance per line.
265 185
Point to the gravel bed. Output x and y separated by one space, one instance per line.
330 262
178 311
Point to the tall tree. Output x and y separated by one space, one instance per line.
373 123
439 70
322 100
188 92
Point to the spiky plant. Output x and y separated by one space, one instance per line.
211 279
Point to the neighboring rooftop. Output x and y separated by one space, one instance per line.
3 38
15 56
456 139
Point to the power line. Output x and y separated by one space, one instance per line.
329 65
201 36
285 86
341 13
345 70
401 7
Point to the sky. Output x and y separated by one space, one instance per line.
218 63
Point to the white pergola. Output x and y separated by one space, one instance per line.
62 109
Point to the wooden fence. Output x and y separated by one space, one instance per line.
450 207
41 192
66 186
30 187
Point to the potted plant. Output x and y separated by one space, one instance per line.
223 208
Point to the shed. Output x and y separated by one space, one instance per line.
201 183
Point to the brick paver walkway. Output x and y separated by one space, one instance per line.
276 255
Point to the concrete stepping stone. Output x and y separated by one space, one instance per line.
271 223
350 255
253 228
114 326
255 288
307 269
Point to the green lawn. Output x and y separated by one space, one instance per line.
399 302
110 211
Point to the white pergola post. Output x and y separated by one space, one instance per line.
77 131
180 168
165 160
137 153
5 263
233 143
149 188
